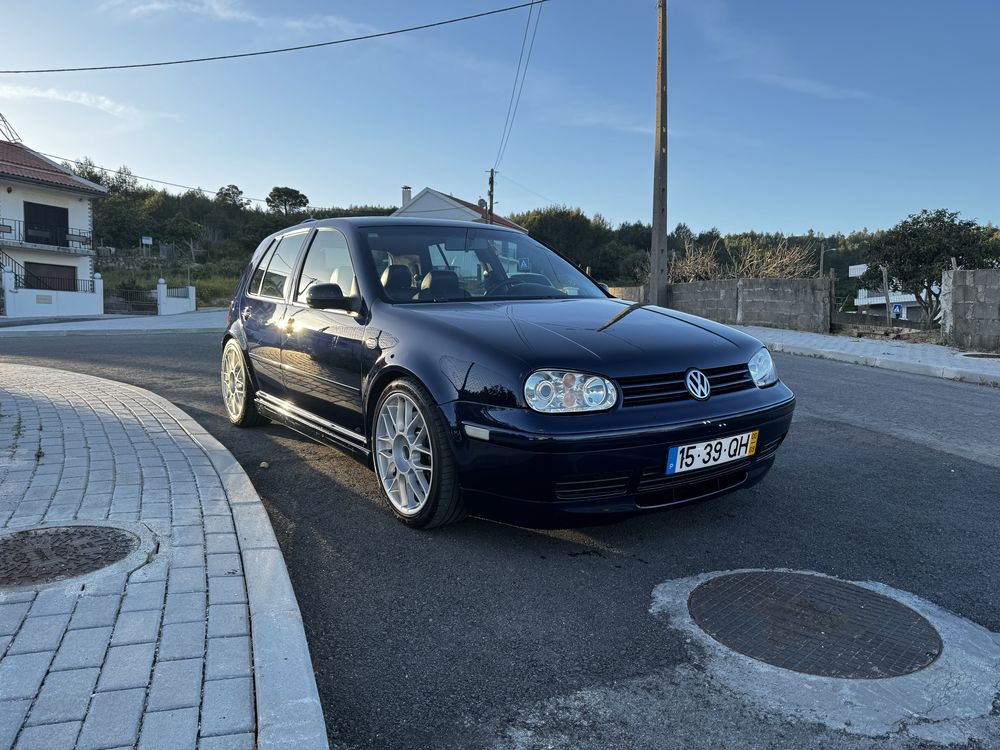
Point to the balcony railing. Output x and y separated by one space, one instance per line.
15 230
52 283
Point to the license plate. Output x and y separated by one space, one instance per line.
711 452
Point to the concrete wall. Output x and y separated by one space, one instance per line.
166 305
796 304
970 309
40 303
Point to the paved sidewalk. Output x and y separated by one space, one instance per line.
213 320
920 359
195 638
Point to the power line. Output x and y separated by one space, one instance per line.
513 90
525 187
517 100
259 53
144 179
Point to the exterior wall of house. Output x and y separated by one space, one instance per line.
432 206
84 264
12 203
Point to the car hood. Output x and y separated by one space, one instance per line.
599 335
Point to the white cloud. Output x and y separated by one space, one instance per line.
760 57
235 11
126 115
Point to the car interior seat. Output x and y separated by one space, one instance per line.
398 282
440 284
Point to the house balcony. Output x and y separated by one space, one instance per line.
46 236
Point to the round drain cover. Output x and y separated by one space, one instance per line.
38 556
815 625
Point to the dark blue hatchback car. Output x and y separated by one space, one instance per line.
479 371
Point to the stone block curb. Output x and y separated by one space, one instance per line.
289 712
886 363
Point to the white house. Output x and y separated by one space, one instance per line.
873 301
46 237
433 204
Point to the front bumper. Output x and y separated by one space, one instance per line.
552 476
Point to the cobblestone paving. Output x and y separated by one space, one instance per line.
155 657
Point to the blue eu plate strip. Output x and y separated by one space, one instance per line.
672 460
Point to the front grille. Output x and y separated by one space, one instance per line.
660 389
592 489
702 486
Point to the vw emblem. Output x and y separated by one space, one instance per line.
697 384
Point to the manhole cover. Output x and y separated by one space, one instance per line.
982 355
38 556
815 625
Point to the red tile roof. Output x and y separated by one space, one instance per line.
497 218
18 162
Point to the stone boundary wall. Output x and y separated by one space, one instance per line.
970 309
794 304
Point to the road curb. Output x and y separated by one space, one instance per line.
289 712
112 332
885 363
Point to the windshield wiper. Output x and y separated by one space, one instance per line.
631 308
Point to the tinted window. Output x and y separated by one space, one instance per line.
452 263
258 274
328 262
279 270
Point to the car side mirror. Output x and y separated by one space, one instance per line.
604 287
327 297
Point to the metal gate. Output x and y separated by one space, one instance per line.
129 302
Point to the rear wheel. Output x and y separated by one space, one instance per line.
237 391
413 457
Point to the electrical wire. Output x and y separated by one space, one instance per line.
526 188
513 90
517 101
259 53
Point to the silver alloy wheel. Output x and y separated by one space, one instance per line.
234 382
403 454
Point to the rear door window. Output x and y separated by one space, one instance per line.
275 280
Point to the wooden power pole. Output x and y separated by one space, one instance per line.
659 249
492 178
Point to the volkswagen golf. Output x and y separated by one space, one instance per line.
477 370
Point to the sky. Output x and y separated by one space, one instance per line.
783 115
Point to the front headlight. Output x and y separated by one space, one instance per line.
762 369
560 392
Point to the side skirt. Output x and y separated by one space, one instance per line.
310 425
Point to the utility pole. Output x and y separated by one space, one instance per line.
492 177
659 248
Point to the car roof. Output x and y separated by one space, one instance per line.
357 222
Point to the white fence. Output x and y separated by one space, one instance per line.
174 301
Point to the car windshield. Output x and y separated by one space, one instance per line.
449 264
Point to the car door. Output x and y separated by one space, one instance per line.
322 352
263 311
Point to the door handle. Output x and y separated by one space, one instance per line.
246 312
289 325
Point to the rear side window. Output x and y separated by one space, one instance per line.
258 274
279 265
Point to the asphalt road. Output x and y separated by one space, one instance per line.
488 635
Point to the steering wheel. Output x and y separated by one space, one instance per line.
505 283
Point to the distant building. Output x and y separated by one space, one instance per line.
46 237
433 204
873 301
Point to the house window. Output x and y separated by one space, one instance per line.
49 276
45 225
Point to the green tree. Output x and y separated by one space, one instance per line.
286 200
918 249
231 195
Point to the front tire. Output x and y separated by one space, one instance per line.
413 457
237 390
